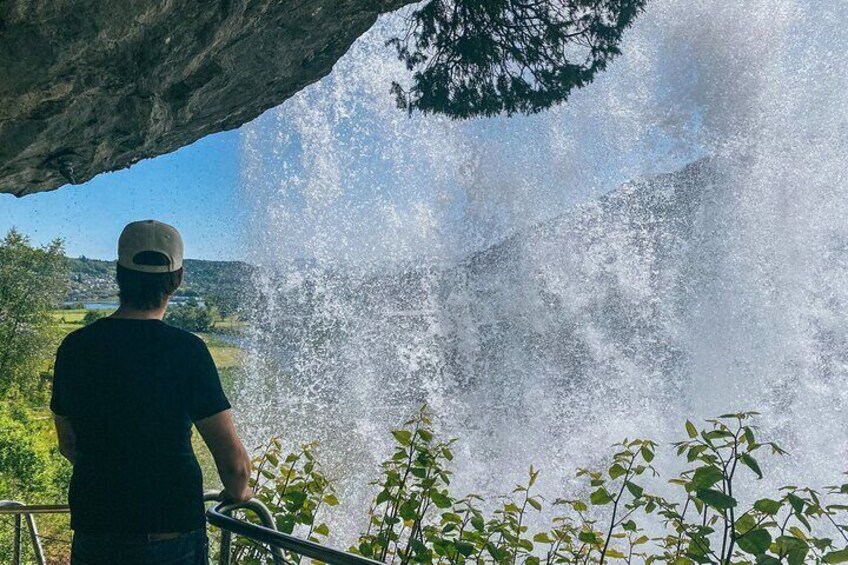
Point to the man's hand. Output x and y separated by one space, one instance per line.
231 498
231 458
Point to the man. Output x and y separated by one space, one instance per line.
126 391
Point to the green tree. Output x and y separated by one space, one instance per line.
475 58
192 317
32 282
92 316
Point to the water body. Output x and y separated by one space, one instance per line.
113 305
670 244
93 305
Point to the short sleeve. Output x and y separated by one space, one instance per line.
205 395
61 374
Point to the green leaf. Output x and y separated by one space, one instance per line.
716 499
494 551
634 489
788 543
600 497
705 477
403 437
745 523
752 464
587 537
542 538
322 529
647 454
478 523
691 430
798 507
755 542
419 472
797 556
794 548
451 517
382 497
694 452
616 471
767 506
409 509
295 500
749 438
441 500
464 548
534 503
839 556
331 500
796 502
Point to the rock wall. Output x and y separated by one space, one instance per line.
88 86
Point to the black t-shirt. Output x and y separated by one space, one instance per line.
131 390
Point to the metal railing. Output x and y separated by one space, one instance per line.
219 515
22 512
226 510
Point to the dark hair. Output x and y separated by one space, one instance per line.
147 291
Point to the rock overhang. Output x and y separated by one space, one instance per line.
89 86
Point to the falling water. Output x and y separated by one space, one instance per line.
670 243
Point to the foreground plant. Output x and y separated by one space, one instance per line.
294 489
711 527
415 519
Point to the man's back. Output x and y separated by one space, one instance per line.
131 389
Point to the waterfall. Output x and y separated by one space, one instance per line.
669 244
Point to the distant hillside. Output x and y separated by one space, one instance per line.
94 279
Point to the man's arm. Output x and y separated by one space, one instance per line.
67 438
231 458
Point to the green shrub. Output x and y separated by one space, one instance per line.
92 316
32 471
191 317
293 487
415 519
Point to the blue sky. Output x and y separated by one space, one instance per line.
195 189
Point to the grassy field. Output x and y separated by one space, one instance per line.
68 320
225 354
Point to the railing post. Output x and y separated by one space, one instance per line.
16 543
37 550
224 550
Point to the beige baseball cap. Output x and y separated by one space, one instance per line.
150 235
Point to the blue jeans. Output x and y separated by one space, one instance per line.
190 548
